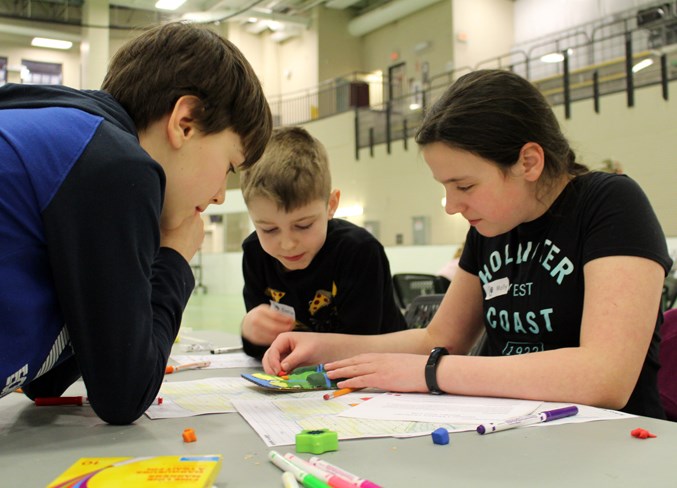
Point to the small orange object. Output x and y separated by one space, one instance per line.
189 435
282 373
642 433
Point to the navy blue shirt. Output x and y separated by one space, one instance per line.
347 288
85 289
532 276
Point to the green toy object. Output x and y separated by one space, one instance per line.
316 441
301 379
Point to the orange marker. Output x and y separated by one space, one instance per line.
189 435
183 367
338 393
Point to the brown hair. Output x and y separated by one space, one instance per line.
492 114
294 171
151 72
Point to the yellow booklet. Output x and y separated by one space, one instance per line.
141 472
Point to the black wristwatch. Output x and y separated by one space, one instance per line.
431 369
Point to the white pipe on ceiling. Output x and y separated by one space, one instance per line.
390 12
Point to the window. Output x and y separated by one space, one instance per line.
3 71
37 73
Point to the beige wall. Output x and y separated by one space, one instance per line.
394 188
643 138
481 30
340 53
430 26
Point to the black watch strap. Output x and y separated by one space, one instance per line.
431 369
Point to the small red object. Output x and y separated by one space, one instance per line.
282 373
642 433
189 435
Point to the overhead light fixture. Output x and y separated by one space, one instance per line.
552 58
169 4
352 211
274 25
644 63
51 43
414 106
556 57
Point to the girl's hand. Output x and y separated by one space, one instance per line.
385 371
292 349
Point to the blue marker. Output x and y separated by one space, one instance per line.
558 413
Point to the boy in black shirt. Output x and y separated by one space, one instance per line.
304 270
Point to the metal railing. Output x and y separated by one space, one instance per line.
595 61
573 80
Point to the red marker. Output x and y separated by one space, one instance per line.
72 400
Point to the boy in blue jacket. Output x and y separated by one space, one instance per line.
100 201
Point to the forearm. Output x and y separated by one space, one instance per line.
588 378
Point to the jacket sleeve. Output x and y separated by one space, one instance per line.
252 292
122 296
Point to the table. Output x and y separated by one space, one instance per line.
38 443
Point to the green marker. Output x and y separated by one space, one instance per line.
308 480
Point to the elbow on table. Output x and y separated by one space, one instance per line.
121 410
116 415
611 397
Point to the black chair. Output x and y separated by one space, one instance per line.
669 293
408 286
423 308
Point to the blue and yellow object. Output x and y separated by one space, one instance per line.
316 441
303 378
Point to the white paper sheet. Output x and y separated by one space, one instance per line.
453 409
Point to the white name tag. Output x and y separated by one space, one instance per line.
496 288
285 309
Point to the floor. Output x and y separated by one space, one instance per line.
208 311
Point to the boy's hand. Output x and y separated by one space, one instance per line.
185 239
263 324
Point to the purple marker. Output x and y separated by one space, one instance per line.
535 418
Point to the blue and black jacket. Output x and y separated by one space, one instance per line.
85 288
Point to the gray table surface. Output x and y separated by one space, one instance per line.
38 443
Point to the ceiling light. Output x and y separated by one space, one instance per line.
644 63
552 58
274 25
555 57
51 43
414 106
352 211
169 4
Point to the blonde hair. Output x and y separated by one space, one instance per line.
293 171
